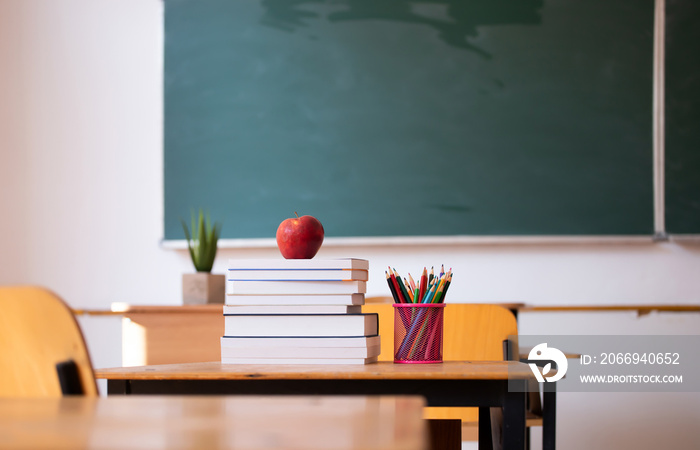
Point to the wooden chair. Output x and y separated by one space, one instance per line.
42 351
471 332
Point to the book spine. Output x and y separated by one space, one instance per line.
303 352
282 264
292 309
300 342
302 299
295 287
297 275
265 325
228 360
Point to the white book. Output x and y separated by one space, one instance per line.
292 309
299 352
300 342
298 274
344 263
268 325
317 299
299 360
259 287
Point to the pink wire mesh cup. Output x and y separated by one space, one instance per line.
418 332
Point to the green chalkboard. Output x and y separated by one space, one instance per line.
402 118
682 117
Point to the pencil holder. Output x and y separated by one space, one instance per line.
418 332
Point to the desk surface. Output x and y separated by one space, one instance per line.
156 422
448 370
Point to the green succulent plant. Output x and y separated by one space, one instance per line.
202 241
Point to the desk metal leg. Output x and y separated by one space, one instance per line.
118 387
514 413
549 416
485 441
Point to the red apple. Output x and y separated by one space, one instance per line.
299 237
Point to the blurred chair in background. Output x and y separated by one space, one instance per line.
42 350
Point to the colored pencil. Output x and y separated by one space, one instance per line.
392 288
431 292
401 286
447 284
430 289
438 293
396 287
408 290
411 282
423 283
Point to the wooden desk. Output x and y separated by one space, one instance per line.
159 422
482 384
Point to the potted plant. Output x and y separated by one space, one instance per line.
202 239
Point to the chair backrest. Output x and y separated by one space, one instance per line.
471 331
39 337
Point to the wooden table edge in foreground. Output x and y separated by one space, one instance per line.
299 422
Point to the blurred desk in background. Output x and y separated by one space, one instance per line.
167 334
191 333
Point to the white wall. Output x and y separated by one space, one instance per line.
13 163
82 182
81 189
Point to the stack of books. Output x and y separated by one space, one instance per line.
298 311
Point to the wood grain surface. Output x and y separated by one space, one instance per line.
191 422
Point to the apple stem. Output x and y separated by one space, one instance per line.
295 213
